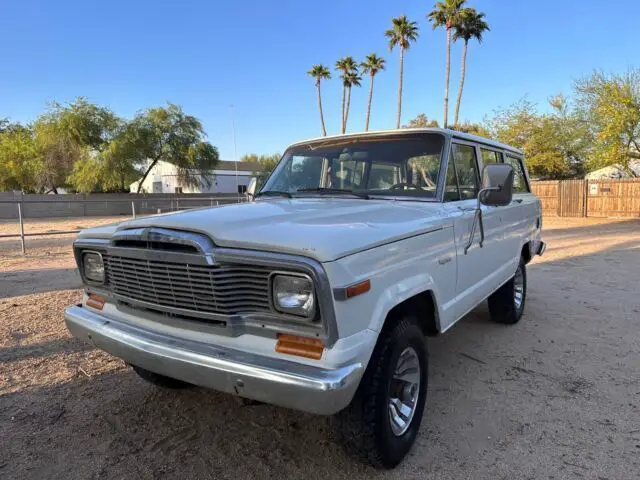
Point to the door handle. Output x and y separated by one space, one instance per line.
517 200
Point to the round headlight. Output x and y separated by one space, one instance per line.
93 267
294 295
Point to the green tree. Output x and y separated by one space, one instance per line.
402 33
610 105
168 134
266 162
346 65
19 159
555 144
473 129
69 133
372 65
471 25
320 72
422 121
446 14
351 79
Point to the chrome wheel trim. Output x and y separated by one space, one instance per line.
518 288
404 391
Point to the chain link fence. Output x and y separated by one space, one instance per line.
51 207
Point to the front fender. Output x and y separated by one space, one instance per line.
397 271
393 295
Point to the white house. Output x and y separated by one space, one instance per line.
615 171
227 177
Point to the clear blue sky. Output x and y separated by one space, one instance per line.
254 54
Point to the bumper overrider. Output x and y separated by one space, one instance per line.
271 380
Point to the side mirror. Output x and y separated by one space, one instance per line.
497 185
251 188
496 191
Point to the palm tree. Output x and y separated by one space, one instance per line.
350 79
320 72
472 25
372 65
345 65
446 14
402 33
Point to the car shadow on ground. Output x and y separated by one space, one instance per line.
24 282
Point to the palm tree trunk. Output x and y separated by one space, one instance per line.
462 74
342 114
400 88
366 125
446 79
324 130
346 113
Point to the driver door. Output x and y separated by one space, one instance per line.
476 266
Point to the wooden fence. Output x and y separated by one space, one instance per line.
589 198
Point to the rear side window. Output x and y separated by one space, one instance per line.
489 156
464 159
519 178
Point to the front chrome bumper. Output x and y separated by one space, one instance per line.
270 380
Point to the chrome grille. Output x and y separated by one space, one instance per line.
225 289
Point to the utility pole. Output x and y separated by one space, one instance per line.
235 148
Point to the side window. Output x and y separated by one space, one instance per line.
424 171
464 158
383 176
519 179
451 193
489 156
347 174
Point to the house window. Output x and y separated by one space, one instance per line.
178 190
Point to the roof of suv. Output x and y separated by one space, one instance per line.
405 131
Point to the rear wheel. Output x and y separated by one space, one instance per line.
160 380
507 303
381 423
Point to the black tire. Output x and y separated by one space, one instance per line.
364 427
160 380
502 303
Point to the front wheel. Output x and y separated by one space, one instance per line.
506 304
381 423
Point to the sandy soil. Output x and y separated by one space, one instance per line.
556 396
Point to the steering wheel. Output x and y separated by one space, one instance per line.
404 186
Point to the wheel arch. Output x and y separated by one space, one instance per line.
526 252
422 305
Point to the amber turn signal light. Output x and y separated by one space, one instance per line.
358 289
95 301
300 346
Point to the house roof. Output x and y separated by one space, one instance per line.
615 171
242 166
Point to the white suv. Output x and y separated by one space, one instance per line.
318 295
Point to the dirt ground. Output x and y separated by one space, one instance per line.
556 396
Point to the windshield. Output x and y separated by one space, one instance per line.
400 165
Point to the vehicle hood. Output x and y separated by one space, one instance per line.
322 228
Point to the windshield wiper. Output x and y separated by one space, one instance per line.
334 190
279 193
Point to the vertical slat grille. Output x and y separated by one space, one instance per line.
225 289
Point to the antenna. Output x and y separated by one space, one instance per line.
235 147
